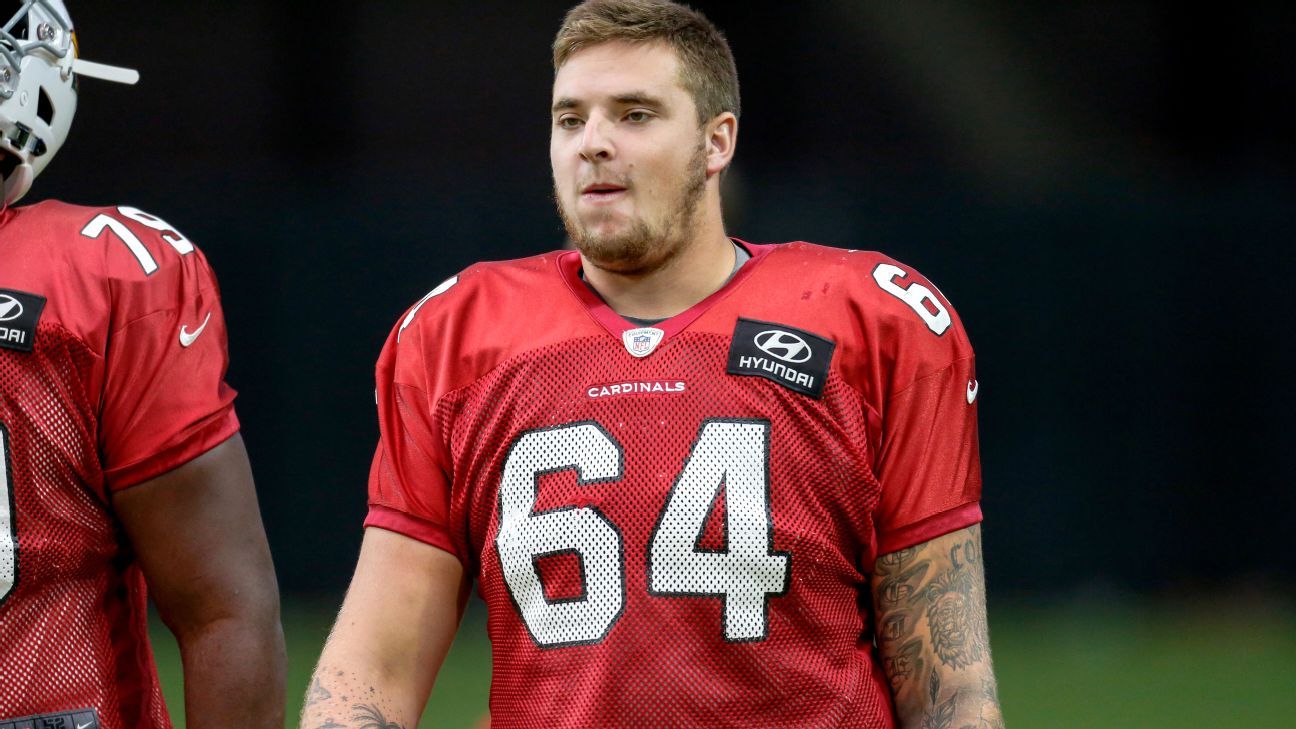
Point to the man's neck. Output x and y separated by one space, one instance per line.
698 271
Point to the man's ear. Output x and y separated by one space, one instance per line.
721 141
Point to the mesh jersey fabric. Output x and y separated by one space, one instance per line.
107 398
661 542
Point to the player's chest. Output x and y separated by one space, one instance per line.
672 449
696 395
589 482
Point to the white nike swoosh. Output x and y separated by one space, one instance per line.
973 388
186 338
83 726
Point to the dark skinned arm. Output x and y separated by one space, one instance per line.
929 605
198 536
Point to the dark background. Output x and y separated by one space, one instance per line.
1105 190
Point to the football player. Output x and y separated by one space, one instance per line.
705 482
120 457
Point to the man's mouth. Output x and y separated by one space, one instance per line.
601 192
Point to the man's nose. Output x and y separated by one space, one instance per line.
596 142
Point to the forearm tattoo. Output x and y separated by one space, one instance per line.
932 635
361 711
317 693
369 717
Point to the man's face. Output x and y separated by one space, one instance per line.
628 156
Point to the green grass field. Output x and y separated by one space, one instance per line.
1090 665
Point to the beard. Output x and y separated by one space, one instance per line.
645 245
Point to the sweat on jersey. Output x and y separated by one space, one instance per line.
675 526
112 364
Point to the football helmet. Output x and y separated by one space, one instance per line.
38 90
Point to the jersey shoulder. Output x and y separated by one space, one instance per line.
892 325
100 268
496 289
119 242
477 318
868 278
874 288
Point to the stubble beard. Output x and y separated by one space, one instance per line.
644 246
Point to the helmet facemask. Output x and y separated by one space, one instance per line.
38 90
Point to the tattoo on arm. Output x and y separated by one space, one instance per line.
932 635
906 663
317 693
327 707
952 617
369 717
941 716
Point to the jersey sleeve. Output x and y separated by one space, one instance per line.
929 465
410 478
927 459
164 400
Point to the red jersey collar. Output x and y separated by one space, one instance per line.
569 267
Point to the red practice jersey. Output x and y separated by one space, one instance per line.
112 363
675 525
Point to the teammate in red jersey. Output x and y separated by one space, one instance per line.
120 458
698 482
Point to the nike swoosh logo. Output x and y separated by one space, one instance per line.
83 726
186 338
973 388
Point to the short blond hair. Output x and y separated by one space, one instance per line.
707 69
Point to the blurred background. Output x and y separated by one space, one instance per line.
1105 190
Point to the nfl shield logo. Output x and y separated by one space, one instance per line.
642 342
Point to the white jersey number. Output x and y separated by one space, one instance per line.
728 454
733 455
8 535
524 536
918 297
100 223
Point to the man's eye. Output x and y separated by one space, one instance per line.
569 122
638 116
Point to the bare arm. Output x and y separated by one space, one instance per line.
198 535
929 603
395 628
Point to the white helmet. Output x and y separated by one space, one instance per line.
38 90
